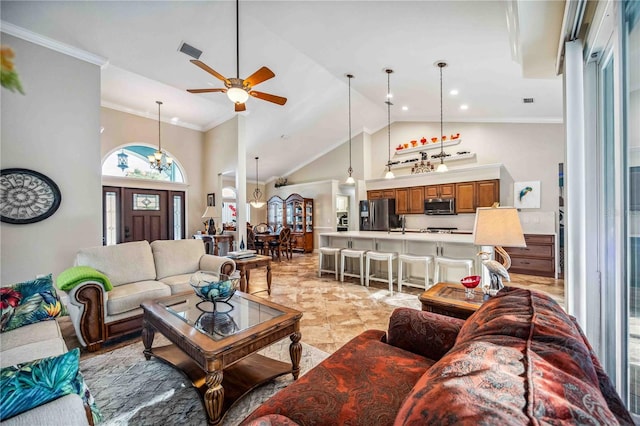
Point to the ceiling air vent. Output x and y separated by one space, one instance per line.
527 100
187 49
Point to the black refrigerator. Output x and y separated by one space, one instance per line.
378 215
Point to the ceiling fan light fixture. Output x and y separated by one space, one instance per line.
237 95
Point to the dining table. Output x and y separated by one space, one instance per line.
265 238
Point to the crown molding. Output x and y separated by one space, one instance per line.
28 35
127 110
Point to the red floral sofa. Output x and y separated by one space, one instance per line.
519 360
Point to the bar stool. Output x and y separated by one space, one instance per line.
356 254
444 262
328 251
413 259
389 257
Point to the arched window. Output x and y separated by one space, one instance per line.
131 161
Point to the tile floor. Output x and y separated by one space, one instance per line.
334 312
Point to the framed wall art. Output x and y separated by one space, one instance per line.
27 196
526 195
211 199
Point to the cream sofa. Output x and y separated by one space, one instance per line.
28 343
138 271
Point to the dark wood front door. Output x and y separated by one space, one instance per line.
133 214
146 214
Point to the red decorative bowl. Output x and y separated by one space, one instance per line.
471 281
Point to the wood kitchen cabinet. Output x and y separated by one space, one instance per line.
446 190
537 258
410 200
381 193
471 195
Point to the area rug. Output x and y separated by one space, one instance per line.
397 299
129 390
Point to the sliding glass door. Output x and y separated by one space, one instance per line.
631 192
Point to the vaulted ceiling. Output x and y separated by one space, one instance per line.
493 49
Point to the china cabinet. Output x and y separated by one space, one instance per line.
275 212
299 217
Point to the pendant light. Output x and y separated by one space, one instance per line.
350 180
441 167
257 194
159 160
389 174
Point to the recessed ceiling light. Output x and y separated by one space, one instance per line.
405 108
464 106
453 92
175 119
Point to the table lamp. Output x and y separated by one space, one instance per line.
210 212
497 226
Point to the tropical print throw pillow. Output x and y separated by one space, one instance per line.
31 384
29 302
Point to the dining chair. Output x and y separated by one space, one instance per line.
253 243
262 228
281 244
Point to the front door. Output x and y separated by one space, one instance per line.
145 215
133 214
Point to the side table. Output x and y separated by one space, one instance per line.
450 299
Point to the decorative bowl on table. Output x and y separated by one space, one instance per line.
470 283
213 287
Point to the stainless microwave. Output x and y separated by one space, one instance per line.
440 206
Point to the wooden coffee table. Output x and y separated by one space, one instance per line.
450 299
217 351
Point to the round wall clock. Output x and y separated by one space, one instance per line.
27 196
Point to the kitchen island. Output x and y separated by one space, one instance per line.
458 245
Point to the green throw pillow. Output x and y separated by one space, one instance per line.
29 302
28 385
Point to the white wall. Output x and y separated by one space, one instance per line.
324 203
52 129
527 151
182 144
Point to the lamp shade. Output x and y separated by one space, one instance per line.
210 212
498 226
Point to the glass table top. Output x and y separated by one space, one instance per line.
229 318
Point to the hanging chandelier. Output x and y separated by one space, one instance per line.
441 167
389 174
159 160
257 194
350 180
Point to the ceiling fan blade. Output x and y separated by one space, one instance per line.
240 107
268 97
206 90
263 74
208 69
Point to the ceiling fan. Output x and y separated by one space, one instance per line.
237 89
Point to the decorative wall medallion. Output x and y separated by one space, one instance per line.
27 196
